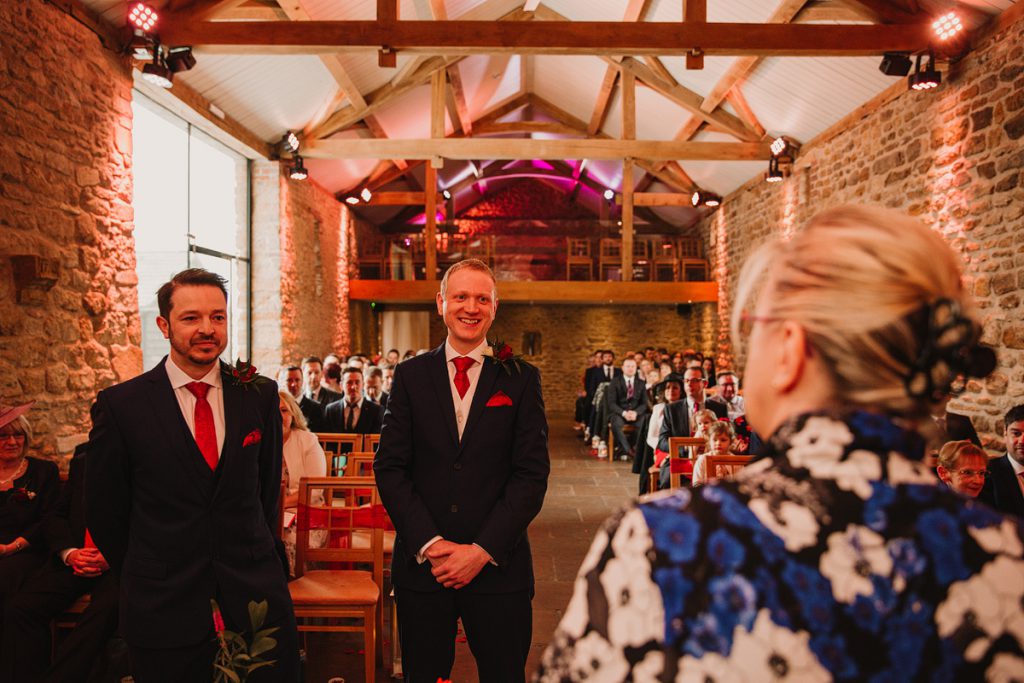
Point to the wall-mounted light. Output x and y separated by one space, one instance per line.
157 72
704 198
366 195
609 194
142 17
446 194
180 59
298 170
774 174
948 26
925 79
895 64
352 200
290 142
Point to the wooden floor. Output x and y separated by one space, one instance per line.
582 491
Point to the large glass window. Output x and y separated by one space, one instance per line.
191 211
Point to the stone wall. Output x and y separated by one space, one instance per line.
570 334
952 157
65 194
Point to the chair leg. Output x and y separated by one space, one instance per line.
370 643
380 629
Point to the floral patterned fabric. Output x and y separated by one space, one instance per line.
837 556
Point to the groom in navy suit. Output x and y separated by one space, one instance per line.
462 469
181 495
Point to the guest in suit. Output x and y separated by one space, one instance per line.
353 414
181 495
374 381
312 374
291 379
728 386
1004 489
678 416
462 469
75 567
392 357
627 404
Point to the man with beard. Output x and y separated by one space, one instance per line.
1004 489
181 495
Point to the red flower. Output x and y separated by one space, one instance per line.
503 352
218 620
19 495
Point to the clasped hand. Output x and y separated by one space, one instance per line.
454 565
87 562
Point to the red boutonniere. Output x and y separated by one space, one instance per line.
243 374
21 495
502 354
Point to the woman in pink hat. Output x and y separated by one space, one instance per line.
28 491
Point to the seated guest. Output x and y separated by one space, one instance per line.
29 489
949 426
708 365
728 386
392 357
1004 489
704 419
835 556
669 391
389 377
331 380
374 381
353 414
719 435
653 378
303 457
627 404
664 370
75 567
312 374
681 417
963 467
290 379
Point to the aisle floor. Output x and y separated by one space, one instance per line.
582 492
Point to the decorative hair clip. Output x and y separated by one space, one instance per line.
949 339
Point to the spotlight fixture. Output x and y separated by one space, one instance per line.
446 194
157 71
784 149
180 59
366 195
352 200
142 17
926 79
948 26
895 64
609 194
290 142
774 174
704 198
298 170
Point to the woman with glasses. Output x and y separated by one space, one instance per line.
964 467
28 492
836 555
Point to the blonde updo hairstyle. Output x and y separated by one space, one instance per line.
949 454
852 278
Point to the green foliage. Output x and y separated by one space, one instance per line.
237 657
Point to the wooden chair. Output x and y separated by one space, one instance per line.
578 257
694 269
372 253
689 247
682 452
665 261
482 247
609 259
642 260
323 598
359 465
725 465
336 447
627 429
371 442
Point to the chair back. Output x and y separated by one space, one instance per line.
350 511
725 465
611 248
370 443
359 465
578 247
682 453
690 247
336 447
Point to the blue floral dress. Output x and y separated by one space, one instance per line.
837 556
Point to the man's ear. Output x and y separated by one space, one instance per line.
791 359
164 326
440 304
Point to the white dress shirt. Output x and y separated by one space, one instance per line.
187 401
346 407
463 403
654 430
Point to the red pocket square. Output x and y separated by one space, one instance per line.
255 436
499 399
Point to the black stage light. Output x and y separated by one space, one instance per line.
927 78
157 72
895 64
298 169
180 59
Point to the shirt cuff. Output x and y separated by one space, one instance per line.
489 558
420 556
64 554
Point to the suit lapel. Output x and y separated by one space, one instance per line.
182 445
233 400
484 390
439 378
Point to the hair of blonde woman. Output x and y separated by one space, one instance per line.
469 264
21 425
720 427
949 454
298 419
851 278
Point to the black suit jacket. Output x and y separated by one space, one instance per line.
617 396
370 416
485 489
177 532
326 397
593 377
314 414
960 428
677 420
65 526
1002 490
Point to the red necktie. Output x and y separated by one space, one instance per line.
462 364
206 433
629 389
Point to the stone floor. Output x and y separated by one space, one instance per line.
582 491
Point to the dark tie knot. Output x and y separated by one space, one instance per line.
198 389
463 363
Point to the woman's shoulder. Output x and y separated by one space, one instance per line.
43 468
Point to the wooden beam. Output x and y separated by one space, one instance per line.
197 10
400 199
662 199
742 107
884 11
490 148
695 11
378 132
254 10
628 106
547 37
552 292
627 220
430 228
832 10
388 11
437 120
528 127
459 95
604 99
530 5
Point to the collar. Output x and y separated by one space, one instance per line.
1017 467
691 402
628 379
356 405
179 378
476 354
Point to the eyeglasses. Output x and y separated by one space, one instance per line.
972 474
695 380
747 321
17 436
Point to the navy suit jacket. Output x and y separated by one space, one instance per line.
593 377
677 419
485 489
179 533
370 416
1002 490
617 397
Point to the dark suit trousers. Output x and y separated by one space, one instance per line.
498 627
621 440
44 596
